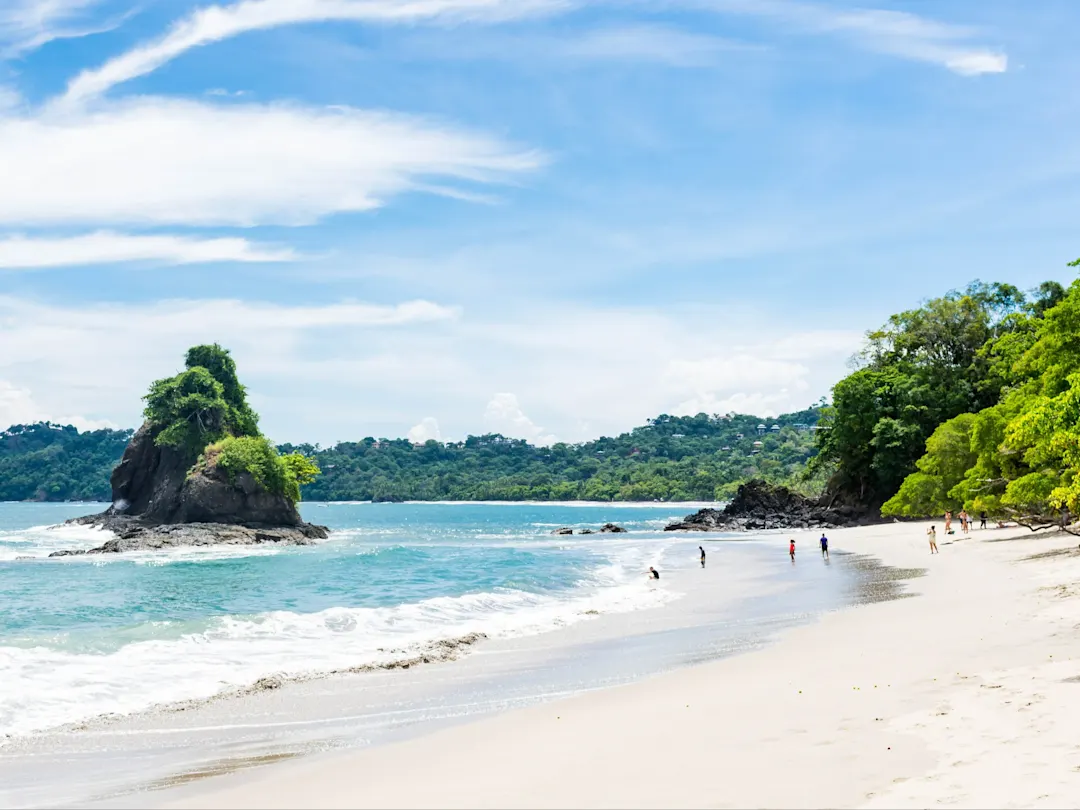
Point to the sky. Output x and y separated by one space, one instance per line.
552 219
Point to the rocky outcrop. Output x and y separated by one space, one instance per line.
160 501
131 535
758 505
607 528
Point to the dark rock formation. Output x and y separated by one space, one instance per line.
134 536
758 505
586 531
564 530
160 501
611 528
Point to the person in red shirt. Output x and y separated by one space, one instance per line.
791 549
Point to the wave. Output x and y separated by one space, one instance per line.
48 686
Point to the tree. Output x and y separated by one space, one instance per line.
202 404
953 355
933 488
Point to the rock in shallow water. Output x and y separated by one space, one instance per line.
134 536
761 506
161 501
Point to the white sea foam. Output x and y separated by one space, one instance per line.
46 687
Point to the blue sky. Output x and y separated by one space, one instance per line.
549 218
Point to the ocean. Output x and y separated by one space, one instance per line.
86 642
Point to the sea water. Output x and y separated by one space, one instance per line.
120 633
97 652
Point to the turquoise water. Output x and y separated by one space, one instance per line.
82 636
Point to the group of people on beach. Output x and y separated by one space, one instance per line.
653 574
823 542
965 526
965 521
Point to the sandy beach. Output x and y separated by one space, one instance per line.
965 695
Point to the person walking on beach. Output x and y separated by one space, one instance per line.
699 548
982 519
931 533
824 546
791 549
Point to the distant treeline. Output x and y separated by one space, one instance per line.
47 462
671 458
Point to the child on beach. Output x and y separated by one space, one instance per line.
824 546
699 548
791 549
653 573
931 533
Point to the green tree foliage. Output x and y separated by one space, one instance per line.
47 462
203 412
953 355
671 458
932 489
256 456
202 404
1023 451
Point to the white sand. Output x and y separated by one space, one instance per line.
960 697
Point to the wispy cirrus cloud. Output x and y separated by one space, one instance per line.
26 25
163 161
106 247
896 33
217 23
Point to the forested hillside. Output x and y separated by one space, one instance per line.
671 458
46 462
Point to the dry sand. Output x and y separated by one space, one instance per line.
967 695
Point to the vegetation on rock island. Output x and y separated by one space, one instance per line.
203 413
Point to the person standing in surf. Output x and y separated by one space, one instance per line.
791 549
824 546
702 550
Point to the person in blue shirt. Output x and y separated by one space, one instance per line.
824 546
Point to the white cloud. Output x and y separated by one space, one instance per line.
158 161
427 430
217 23
504 415
344 371
99 359
17 407
103 247
896 33
28 24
